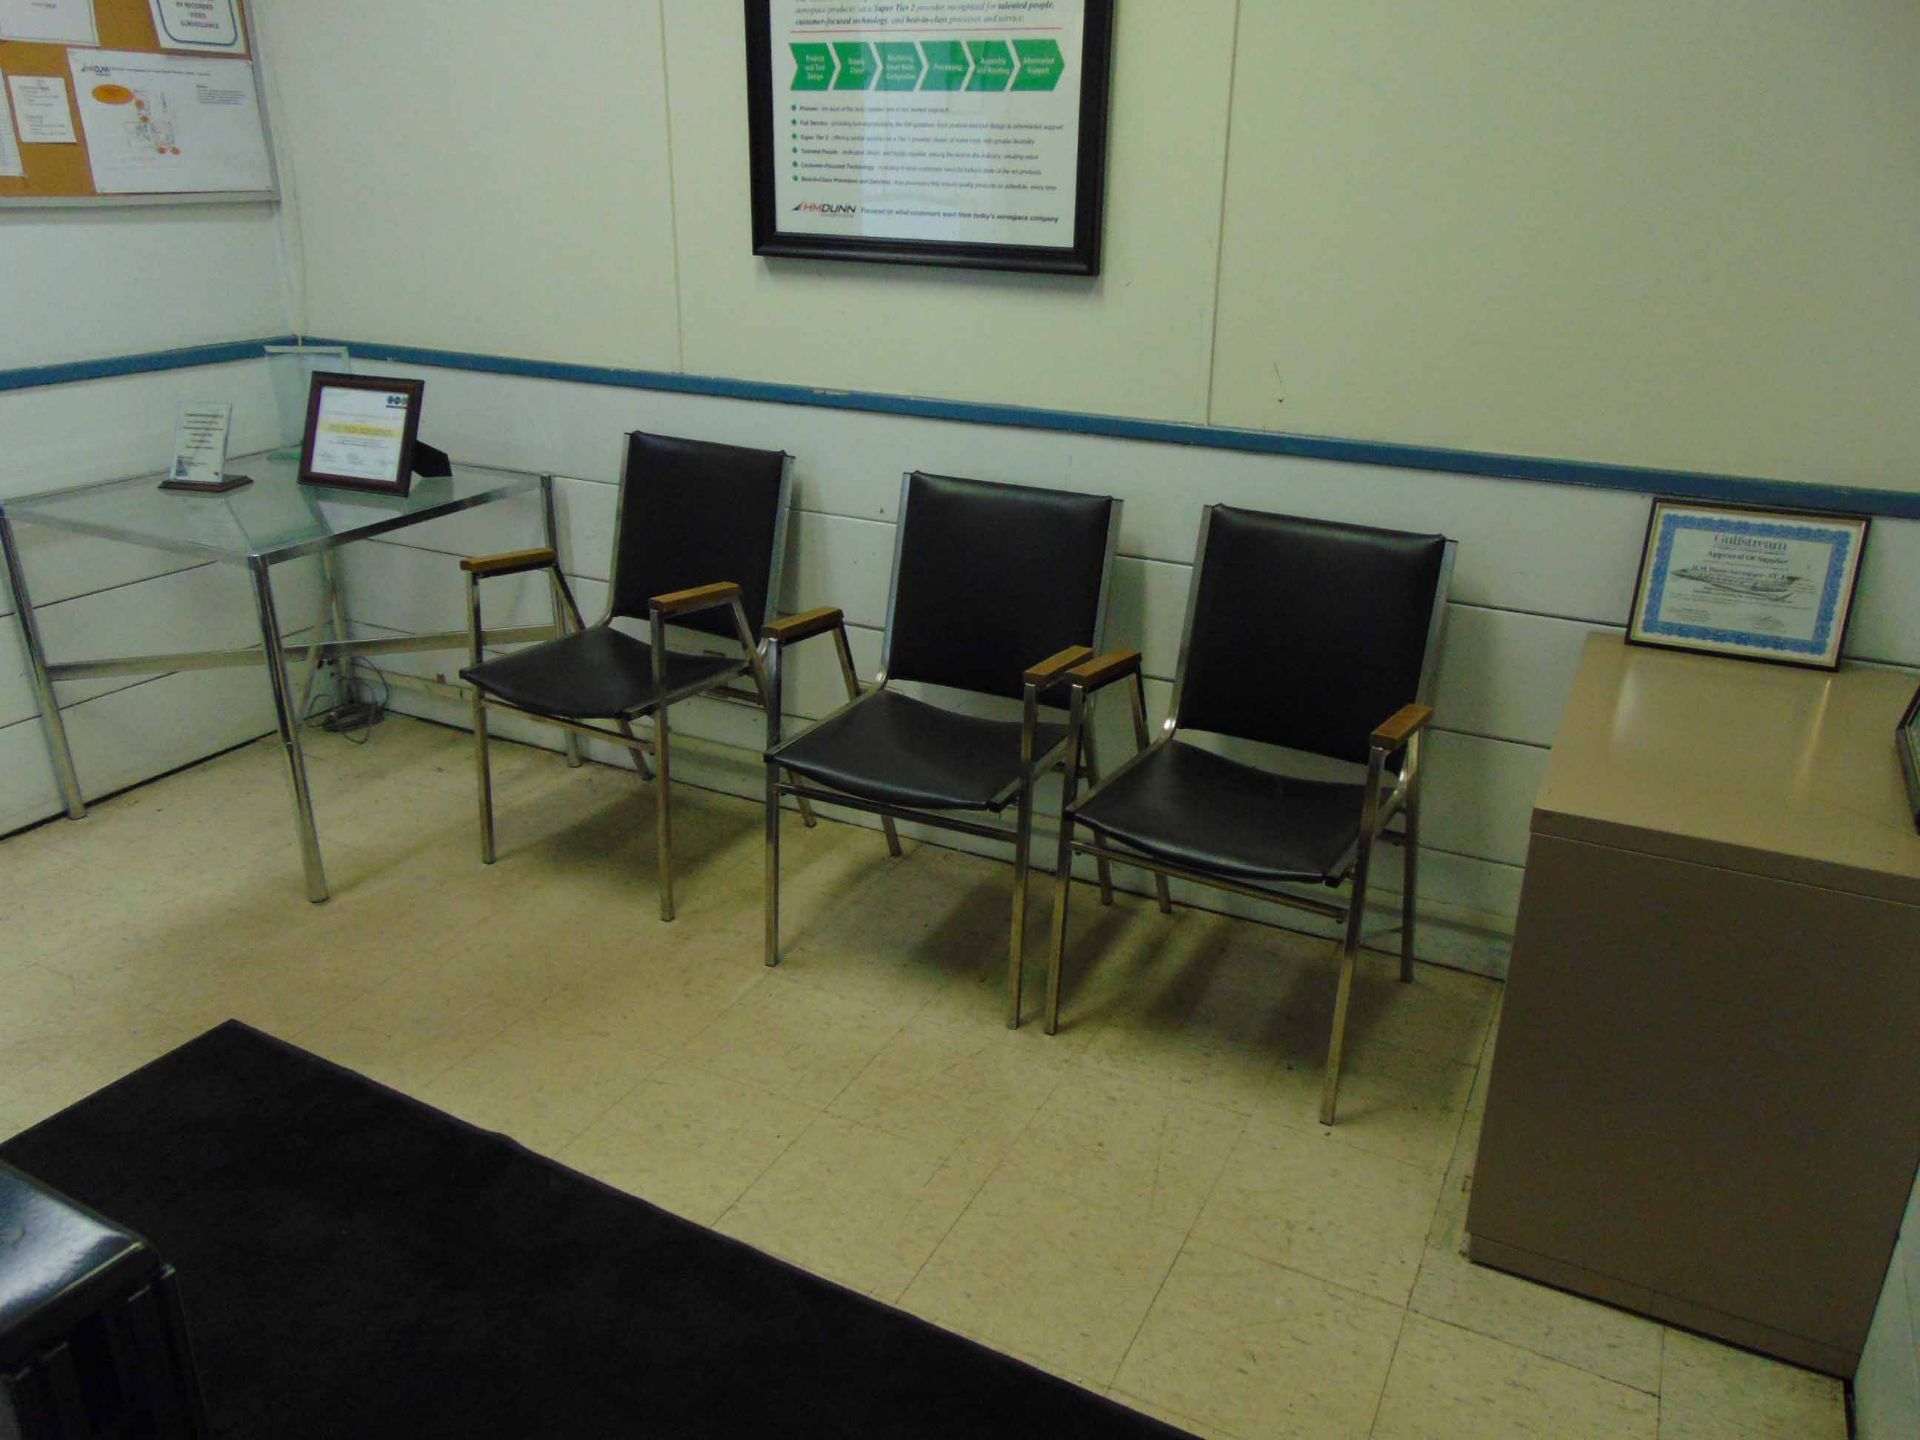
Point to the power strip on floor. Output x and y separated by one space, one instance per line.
353 715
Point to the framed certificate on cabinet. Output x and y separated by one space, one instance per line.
360 432
1906 740
1758 584
930 132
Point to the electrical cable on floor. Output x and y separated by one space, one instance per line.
355 711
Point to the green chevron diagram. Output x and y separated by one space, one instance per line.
813 67
900 65
859 66
1041 64
992 64
947 65
903 65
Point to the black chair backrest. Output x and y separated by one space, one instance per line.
1306 633
696 513
993 578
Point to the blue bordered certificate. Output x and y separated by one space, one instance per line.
1762 584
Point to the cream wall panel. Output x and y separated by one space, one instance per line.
1886 608
583 521
585 513
486 175
849 563
132 735
59 436
1886 1392
504 525
1478 796
86 284
1505 675
420 591
1147 611
208 607
61 565
1134 342
1548 549
1887 1387
1646 233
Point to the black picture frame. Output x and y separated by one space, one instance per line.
1082 258
400 482
1906 741
1648 625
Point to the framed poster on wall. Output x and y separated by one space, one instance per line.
930 132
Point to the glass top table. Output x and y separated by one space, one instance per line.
275 518
271 521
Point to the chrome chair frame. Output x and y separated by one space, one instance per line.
662 609
1398 736
1038 682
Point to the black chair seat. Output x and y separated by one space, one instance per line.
896 750
56 1261
1193 808
594 674
92 1342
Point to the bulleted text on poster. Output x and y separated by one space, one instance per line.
939 120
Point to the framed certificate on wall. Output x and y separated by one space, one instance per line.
930 132
360 432
1758 584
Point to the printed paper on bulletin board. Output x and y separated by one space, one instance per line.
174 116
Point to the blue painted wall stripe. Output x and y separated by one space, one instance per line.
154 361
1633 479
1636 479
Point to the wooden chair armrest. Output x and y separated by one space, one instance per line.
1103 670
510 562
1050 670
700 597
791 629
1400 726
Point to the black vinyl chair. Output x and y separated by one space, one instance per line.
1302 635
699 539
996 590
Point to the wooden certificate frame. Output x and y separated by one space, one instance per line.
869 144
395 473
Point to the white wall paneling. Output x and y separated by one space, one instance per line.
203 607
1653 234
60 436
1887 1388
89 284
132 735
546 232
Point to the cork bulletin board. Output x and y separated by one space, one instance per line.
154 118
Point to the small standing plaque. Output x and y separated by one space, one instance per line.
200 450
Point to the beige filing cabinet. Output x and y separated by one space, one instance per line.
1705 1102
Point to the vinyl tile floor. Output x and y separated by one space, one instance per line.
1143 1203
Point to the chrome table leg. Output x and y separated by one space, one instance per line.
52 728
289 724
